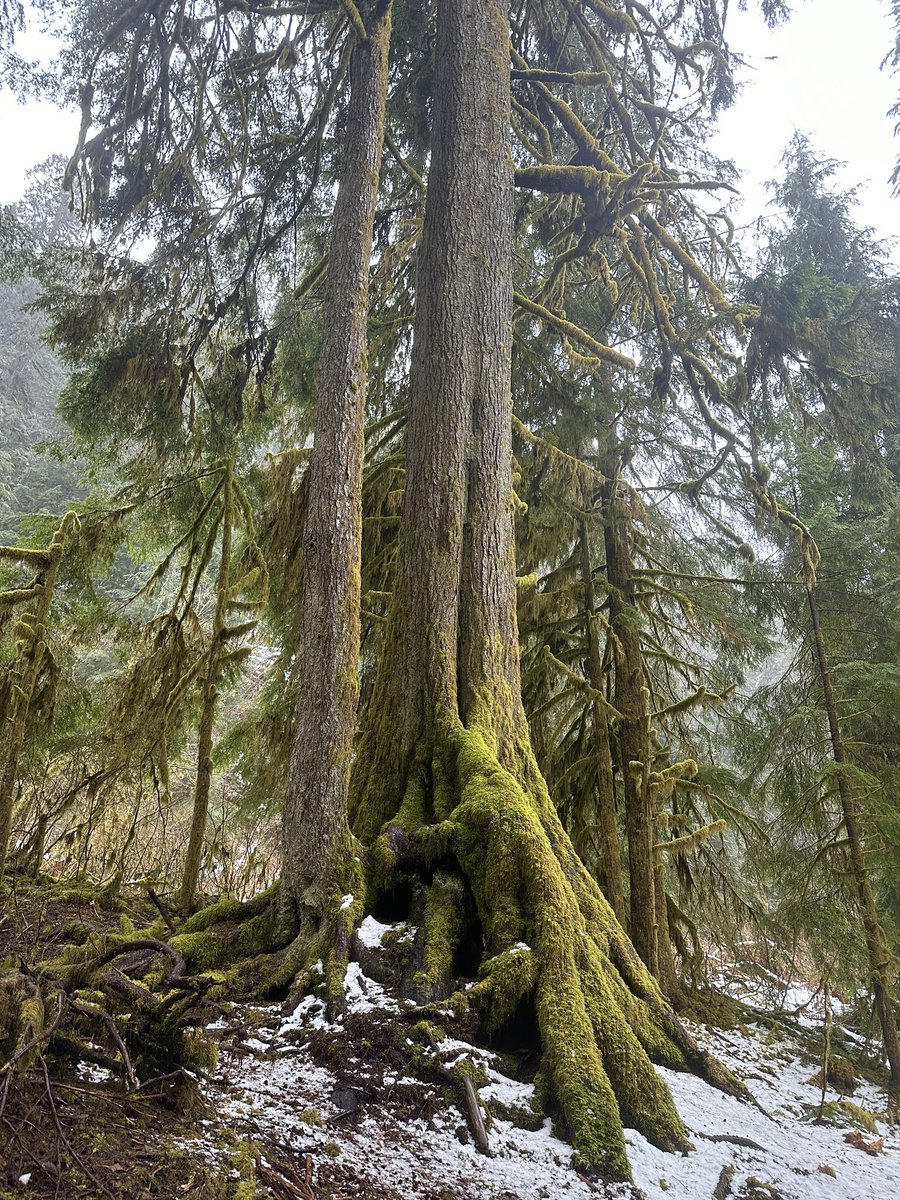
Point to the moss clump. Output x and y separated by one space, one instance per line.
442 929
244 1163
21 1015
227 933
528 1115
227 908
842 1075
201 951
707 1007
469 1066
843 1112
504 981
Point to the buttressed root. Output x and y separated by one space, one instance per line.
486 840
551 938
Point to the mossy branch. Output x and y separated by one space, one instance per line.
690 841
569 330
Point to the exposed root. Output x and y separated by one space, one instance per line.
267 955
479 844
125 1003
551 939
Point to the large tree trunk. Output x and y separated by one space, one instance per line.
445 780
318 863
876 941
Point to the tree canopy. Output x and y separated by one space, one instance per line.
449 509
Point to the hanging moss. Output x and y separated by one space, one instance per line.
21 1014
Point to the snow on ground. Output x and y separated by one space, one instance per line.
790 1150
398 1132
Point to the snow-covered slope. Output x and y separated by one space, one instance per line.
348 1095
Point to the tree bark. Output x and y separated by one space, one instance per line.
316 839
453 634
633 729
607 829
666 973
876 941
445 777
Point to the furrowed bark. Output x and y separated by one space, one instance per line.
453 627
316 837
445 782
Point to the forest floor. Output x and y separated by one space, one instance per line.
368 1107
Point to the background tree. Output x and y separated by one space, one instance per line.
826 349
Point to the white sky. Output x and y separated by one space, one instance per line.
818 74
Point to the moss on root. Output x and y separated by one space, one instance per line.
442 928
468 824
550 937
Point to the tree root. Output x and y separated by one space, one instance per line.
551 940
479 843
129 1005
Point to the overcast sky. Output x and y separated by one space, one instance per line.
818 74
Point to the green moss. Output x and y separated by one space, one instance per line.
198 1051
381 865
706 1007
842 1075
424 1033
525 1116
202 950
228 908
21 1015
443 927
550 935
244 1164
222 936
506 979
470 1067
595 1064
843 1112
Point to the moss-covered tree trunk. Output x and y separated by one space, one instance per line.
316 837
666 972
607 828
634 743
445 784
33 652
880 959
212 677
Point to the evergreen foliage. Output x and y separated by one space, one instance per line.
621 573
